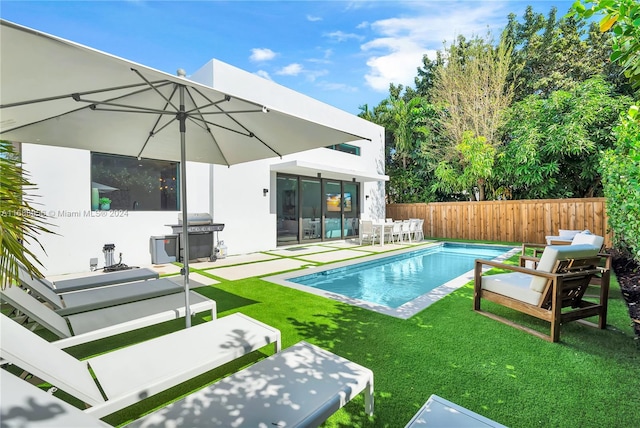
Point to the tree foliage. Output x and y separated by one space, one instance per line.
553 144
622 17
567 96
474 91
20 223
621 178
621 164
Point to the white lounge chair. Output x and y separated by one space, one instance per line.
97 298
438 412
100 323
102 279
299 387
140 370
25 405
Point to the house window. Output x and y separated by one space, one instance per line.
346 148
127 183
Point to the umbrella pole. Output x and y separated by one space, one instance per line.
182 117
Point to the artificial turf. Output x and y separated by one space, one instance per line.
589 379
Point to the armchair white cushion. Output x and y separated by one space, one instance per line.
587 237
516 285
528 288
553 253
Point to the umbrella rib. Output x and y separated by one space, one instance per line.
76 97
135 110
249 133
211 103
154 88
231 112
58 97
153 129
197 111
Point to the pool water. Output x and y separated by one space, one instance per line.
395 280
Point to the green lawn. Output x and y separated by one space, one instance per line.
589 379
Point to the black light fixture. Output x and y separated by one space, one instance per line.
264 192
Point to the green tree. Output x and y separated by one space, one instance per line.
621 179
622 17
621 165
473 167
558 53
475 94
20 223
404 119
553 144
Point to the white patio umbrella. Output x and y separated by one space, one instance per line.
60 93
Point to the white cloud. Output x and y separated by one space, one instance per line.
341 36
326 57
313 18
263 74
262 54
290 70
311 76
402 41
342 87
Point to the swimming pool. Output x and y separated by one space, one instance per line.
400 284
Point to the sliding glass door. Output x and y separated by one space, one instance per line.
313 209
287 210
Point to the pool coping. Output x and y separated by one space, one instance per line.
406 310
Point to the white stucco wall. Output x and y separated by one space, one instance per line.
63 179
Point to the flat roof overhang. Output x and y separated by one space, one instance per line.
310 169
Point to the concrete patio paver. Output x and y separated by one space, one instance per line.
166 269
300 250
195 280
257 269
233 260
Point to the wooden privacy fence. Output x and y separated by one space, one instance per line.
507 221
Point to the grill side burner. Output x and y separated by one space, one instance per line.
201 229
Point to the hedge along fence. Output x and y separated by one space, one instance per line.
507 221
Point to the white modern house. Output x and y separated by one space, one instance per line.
313 196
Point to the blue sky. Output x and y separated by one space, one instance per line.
344 53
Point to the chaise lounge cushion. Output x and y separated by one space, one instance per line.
553 253
515 285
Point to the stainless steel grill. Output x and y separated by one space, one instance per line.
201 230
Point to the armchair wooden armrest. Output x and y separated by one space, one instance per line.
537 248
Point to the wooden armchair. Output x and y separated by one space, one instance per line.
553 292
581 238
577 239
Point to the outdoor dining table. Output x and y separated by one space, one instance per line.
379 228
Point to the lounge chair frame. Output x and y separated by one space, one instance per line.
565 288
88 326
99 297
104 279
